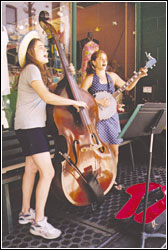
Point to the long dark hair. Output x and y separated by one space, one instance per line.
90 66
30 59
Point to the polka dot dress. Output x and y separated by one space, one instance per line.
108 129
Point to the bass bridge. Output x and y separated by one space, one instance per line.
90 147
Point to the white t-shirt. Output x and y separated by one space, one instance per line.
30 108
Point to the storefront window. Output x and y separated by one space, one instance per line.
110 25
18 18
11 18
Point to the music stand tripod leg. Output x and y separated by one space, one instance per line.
144 234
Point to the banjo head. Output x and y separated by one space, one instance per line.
106 112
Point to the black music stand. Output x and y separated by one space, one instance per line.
147 119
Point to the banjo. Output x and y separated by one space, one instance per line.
107 112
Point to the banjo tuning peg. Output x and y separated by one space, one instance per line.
148 55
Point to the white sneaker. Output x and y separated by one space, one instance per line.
26 218
44 229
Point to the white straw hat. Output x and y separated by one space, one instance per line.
24 43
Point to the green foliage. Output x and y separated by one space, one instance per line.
10 105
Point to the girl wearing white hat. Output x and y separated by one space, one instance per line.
30 119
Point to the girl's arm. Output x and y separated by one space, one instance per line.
53 99
119 82
87 82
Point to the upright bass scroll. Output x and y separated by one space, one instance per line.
84 155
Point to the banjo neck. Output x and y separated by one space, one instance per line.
149 64
122 89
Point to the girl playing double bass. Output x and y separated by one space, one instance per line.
30 119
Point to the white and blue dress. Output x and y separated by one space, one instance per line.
108 129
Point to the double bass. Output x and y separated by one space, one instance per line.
81 158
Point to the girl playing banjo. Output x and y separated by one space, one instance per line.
98 79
